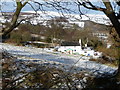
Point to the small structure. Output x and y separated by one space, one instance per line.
38 44
88 52
71 49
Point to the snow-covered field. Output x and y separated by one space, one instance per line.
48 56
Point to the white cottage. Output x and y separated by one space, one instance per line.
78 50
71 49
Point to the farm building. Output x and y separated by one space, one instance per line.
78 50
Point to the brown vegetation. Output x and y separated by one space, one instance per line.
14 75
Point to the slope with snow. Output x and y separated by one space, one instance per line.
48 56
72 18
42 17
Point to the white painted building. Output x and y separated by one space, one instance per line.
78 50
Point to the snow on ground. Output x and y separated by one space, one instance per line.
102 19
47 56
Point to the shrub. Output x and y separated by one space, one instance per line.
26 36
16 37
8 68
48 40
20 36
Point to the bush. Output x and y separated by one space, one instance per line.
26 36
20 36
16 37
15 74
8 68
48 40
110 52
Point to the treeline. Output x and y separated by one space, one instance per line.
60 31
56 30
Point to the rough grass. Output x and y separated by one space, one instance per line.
14 76
112 63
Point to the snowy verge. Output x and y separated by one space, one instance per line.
41 56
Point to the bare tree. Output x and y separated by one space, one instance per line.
108 10
14 22
20 4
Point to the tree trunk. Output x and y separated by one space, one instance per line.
7 30
116 25
115 22
14 20
118 72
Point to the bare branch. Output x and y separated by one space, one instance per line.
87 4
25 3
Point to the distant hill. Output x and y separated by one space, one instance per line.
95 26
